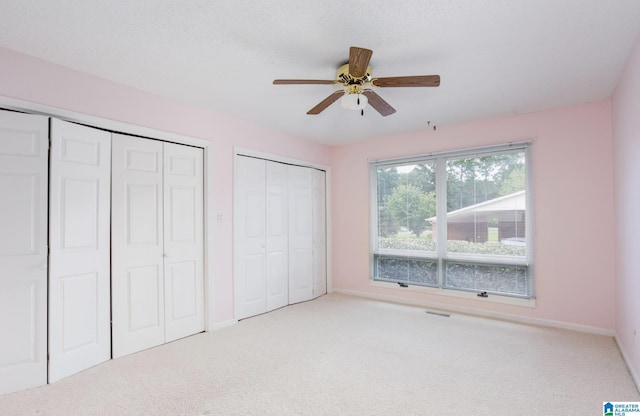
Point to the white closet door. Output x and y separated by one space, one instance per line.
300 235
319 233
183 236
137 245
79 234
23 250
249 237
277 269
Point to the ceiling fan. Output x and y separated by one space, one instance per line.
355 76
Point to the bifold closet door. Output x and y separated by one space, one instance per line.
79 244
277 238
24 142
280 235
249 236
300 234
183 241
261 236
307 234
158 243
137 280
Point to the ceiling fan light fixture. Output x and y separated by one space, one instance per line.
354 102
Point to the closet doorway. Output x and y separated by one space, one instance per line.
279 234
57 265
158 248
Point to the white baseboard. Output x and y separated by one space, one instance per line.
479 312
219 325
625 357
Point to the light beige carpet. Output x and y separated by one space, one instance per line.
340 355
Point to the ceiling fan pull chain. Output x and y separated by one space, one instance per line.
358 99
362 112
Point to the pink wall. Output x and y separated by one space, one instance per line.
626 157
37 81
573 168
574 227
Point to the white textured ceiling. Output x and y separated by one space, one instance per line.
495 57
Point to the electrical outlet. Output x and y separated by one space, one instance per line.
220 217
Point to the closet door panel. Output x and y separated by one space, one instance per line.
23 250
300 235
319 233
249 237
79 235
137 250
184 245
277 253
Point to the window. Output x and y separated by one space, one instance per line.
456 220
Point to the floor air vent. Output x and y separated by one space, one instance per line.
446 315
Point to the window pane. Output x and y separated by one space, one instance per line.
486 204
414 271
406 200
483 201
511 280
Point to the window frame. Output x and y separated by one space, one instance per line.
442 255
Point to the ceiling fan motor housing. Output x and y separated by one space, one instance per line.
345 78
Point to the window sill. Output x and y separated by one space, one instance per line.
506 300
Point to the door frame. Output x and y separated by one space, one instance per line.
210 214
242 151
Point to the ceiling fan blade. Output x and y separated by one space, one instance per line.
379 104
326 103
359 61
413 81
302 81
